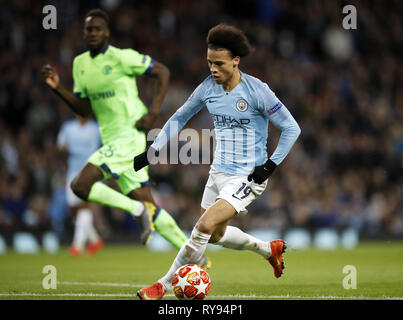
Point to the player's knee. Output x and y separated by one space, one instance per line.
205 226
79 189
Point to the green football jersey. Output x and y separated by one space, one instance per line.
108 80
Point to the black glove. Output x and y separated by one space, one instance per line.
143 159
261 173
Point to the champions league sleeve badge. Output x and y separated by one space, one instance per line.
275 108
242 105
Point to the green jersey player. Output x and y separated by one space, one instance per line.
105 84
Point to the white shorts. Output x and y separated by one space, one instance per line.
236 190
71 198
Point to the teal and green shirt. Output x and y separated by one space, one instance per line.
108 80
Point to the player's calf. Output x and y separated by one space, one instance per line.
80 188
82 183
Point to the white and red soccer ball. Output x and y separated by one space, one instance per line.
191 282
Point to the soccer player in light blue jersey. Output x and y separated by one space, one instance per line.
79 139
241 107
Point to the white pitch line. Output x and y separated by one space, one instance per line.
102 284
95 284
128 295
34 294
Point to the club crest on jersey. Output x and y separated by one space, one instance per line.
107 69
242 105
275 108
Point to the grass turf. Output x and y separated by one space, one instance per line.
118 271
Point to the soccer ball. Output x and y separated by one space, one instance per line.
191 282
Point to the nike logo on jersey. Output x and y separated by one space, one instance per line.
211 101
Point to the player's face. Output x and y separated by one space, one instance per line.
96 32
222 65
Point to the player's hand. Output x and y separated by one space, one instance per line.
261 173
143 159
145 123
50 76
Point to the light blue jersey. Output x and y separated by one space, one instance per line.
241 118
81 142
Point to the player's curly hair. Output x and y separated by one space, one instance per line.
225 36
98 13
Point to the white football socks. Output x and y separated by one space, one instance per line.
139 210
93 235
191 252
82 223
235 238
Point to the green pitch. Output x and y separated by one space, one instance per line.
118 271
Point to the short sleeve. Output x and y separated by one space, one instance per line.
78 88
135 63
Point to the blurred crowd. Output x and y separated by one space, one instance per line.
344 87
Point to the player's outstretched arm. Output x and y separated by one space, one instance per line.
161 74
143 159
80 106
171 128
